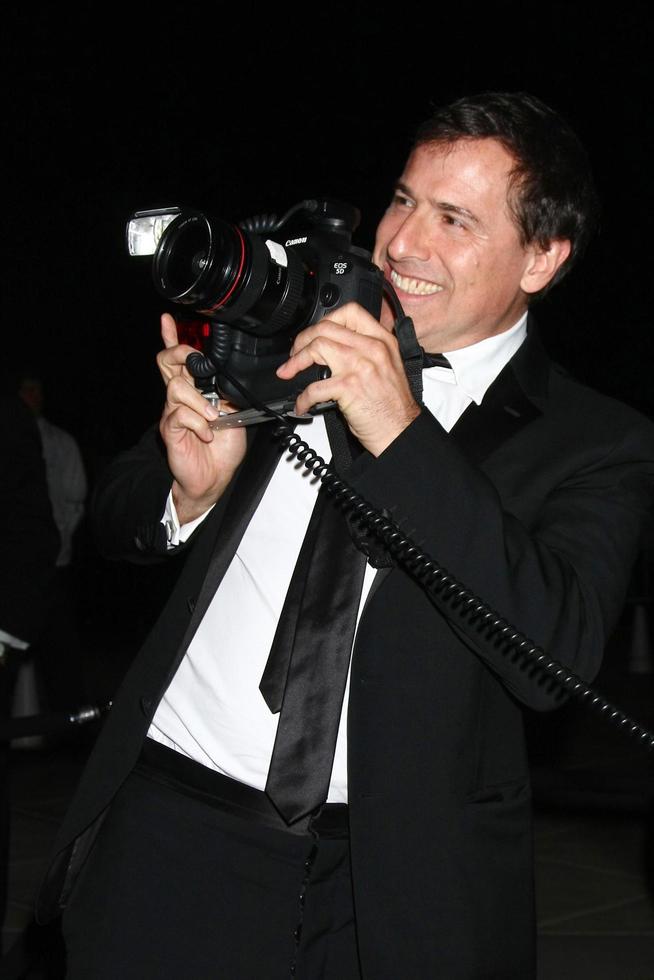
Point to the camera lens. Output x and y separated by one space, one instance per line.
187 264
228 272
199 263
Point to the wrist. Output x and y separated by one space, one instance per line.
188 506
382 440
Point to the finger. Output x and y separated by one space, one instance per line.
169 330
366 343
354 332
353 318
317 393
338 348
182 419
321 350
181 392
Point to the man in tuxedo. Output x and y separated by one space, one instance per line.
211 834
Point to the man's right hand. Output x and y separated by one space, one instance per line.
202 460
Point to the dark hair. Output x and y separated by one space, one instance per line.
552 193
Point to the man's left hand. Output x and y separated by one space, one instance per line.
368 380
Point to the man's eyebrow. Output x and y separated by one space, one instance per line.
456 209
442 205
401 186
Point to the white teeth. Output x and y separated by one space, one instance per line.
418 287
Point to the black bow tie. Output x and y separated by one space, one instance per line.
435 360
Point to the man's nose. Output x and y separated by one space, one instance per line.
410 240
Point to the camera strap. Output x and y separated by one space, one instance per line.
412 354
345 448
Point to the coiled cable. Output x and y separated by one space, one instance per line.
261 224
451 597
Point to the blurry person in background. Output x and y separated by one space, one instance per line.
29 547
59 656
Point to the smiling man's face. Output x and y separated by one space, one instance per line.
451 248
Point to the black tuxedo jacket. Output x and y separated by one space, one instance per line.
535 501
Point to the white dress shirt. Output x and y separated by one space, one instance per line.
213 711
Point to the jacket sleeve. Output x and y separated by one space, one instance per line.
561 578
128 502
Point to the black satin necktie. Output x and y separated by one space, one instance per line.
306 673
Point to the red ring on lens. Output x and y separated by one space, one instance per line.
221 302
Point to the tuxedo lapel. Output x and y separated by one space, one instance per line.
514 399
504 410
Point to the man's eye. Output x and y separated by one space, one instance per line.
452 221
402 201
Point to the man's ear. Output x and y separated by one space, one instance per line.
543 264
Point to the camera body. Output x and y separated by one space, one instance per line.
258 284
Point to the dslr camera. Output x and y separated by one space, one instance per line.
256 284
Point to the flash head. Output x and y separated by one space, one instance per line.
145 228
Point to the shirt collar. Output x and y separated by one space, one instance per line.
474 368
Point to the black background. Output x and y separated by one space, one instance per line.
242 110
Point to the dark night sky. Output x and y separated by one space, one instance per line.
247 113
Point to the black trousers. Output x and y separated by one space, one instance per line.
182 882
